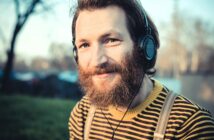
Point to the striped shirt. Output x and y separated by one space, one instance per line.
186 121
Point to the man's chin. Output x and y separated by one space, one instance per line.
102 89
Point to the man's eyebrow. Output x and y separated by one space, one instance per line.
109 33
105 35
80 41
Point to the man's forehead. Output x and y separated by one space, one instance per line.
109 20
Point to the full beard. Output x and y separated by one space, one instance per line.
120 94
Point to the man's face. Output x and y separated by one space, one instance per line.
105 55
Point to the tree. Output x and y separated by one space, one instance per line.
203 47
189 45
24 9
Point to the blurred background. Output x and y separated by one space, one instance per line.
38 77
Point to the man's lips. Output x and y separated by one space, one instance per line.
103 75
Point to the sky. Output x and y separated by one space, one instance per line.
43 29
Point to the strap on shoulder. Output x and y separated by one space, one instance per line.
164 116
88 121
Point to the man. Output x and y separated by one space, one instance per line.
115 50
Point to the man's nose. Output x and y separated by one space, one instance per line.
99 56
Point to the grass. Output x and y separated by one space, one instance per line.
29 118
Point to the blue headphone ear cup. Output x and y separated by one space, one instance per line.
148 48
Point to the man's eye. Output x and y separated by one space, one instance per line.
112 41
84 45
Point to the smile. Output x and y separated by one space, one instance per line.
104 75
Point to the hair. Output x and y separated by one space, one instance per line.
135 16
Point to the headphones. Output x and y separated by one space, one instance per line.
146 44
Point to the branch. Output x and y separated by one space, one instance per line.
47 7
28 12
17 8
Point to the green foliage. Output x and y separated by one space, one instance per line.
28 118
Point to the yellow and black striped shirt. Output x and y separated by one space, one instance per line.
186 121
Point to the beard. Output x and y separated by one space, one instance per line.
122 92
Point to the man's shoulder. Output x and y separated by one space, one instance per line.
181 102
191 119
186 110
184 102
183 107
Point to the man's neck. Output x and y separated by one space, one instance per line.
145 90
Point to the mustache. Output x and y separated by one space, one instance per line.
104 68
